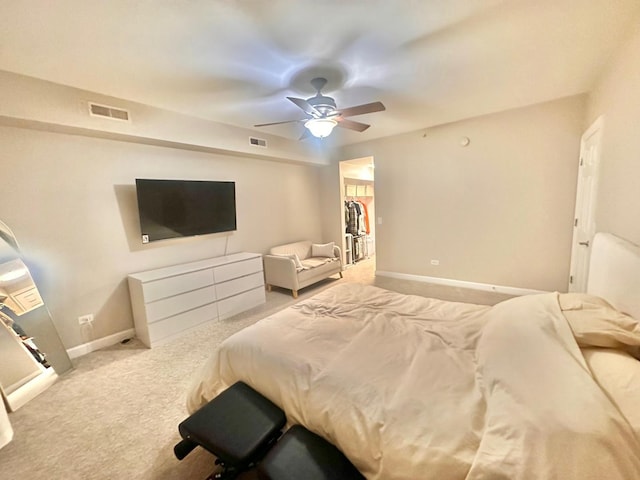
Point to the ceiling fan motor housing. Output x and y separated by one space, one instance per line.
325 105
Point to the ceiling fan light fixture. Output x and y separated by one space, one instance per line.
323 115
320 127
12 275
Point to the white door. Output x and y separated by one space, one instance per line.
584 225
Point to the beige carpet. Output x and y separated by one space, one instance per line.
116 414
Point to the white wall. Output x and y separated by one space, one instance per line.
70 200
498 211
617 98
332 207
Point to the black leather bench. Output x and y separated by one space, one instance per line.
301 454
238 427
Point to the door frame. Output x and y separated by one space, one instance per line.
343 196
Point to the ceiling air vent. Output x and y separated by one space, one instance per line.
97 110
258 142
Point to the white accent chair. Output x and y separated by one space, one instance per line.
294 266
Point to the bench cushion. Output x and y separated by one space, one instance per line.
235 425
301 454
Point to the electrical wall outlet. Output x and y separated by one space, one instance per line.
85 319
435 262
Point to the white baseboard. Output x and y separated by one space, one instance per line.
459 283
31 389
80 350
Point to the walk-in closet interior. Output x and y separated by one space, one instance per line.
357 177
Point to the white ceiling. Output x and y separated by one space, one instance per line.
234 61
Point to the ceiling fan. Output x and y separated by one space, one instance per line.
323 115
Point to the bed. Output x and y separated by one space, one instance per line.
539 386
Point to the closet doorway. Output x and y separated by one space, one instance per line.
358 219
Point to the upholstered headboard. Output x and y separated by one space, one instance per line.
614 272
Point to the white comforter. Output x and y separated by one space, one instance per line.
415 388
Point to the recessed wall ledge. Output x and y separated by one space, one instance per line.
158 142
27 102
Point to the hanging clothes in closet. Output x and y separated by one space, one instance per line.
366 218
357 224
351 217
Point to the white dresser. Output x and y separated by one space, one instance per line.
171 301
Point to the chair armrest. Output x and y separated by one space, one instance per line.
280 271
338 253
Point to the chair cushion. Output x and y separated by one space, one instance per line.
301 454
313 262
322 250
302 249
318 272
235 424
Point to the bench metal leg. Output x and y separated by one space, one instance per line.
184 448
227 473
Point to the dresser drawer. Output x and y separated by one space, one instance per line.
172 326
170 306
239 285
169 286
237 269
239 303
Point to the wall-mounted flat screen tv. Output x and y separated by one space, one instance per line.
183 208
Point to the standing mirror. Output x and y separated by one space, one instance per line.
32 353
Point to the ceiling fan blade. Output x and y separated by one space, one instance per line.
351 125
362 109
279 123
306 106
306 134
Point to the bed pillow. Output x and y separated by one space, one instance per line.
618 374
595 323
322 250
294 257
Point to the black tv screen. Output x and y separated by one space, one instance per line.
183 208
